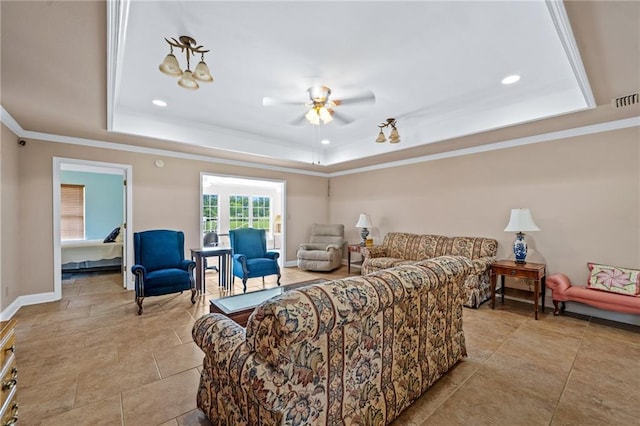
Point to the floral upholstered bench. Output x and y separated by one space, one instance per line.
609 287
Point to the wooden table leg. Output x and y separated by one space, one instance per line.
349 262
536 296
199 275
493 290
543 284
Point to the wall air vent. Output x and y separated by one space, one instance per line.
625 101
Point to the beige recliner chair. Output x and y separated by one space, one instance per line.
324 251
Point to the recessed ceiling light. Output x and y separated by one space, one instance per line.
159 103
325 141
510 79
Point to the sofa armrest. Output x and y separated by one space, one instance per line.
377 251
187 265
314 246
558 283
211 330
482 264
223 342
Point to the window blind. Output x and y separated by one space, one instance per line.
71 212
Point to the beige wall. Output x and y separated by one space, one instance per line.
9 217
583 193
167 197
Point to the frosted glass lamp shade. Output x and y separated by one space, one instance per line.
381 138
325 115
313 117
170 66
187 81
394 137
201 73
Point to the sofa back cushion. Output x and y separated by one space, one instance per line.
402 245
280 325
470 247
614 279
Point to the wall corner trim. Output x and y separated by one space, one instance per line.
29 299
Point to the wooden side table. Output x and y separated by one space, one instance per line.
532 271
353 248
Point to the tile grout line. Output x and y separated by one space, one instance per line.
566 382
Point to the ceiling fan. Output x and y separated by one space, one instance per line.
320 107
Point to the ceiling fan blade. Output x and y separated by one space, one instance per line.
298 120
338 116
367 97
266 101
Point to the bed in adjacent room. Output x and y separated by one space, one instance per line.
90 255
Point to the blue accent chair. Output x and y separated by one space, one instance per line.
250 256
160 265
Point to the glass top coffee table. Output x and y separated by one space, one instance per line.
239 307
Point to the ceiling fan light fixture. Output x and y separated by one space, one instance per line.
312 116
187 81
170 66
319 94
381 138
325 115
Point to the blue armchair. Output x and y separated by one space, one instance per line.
160 265
250 256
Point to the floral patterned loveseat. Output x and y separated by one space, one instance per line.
400 248
352 351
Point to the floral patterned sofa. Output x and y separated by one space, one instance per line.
352 351
399 248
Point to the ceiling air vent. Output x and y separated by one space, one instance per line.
625 101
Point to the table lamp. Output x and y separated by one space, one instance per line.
520 222
364 222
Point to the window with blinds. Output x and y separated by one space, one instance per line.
71 212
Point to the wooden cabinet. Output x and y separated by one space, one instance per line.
9 374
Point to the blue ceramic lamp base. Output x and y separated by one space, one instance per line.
520 248
364 233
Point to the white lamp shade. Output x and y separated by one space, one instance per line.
521 221
170 66
364 221
187 81
201 73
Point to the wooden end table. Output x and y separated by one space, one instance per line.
354 248
529 270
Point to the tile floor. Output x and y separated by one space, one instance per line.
88 359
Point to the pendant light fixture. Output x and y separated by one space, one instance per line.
188 79
394 136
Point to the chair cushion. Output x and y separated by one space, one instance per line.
165 281
614 279
262 266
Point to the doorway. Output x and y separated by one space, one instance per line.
93 170
231 202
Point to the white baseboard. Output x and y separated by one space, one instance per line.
30 299
582 309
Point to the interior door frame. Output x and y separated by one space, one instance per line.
283 207
127 173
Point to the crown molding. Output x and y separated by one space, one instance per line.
13 125
563 28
